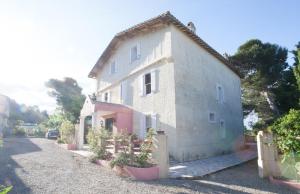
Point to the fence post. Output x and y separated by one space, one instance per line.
161 154
267 155
115 145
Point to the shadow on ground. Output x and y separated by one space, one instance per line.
8 166
239 179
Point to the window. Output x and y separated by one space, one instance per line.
147 121
106 97
222 129
148 83
220 94
212 117
113 67
135 53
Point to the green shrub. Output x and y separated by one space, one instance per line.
67 131
287 129
141 160
97 141
121 160
60 141
19 131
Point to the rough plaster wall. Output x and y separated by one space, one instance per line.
196 75
155 54
153 45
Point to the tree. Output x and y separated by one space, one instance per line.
68 96
55 120
296 64
267 81
27 114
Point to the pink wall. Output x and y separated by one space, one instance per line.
123 115
124 122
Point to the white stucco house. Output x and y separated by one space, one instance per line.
4 112
159 74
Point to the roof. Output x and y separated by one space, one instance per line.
163 19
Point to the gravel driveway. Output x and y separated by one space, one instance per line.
40 166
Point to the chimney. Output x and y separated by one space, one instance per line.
192 27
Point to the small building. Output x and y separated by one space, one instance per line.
160 74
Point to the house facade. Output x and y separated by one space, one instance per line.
4 113
159 74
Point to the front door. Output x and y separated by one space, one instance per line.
109 124
87 127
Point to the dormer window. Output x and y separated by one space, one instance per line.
113 68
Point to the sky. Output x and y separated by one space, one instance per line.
43 39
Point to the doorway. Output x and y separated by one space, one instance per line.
87 127
109 123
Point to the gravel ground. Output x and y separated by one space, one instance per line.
40 166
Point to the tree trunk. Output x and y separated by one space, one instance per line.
271 102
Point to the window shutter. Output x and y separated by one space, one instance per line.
154 81
103 97
141 85
130 55
222 129
108 96
223 95
217 93
123 91
138 48
142 126
154 121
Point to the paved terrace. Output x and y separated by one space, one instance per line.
200 168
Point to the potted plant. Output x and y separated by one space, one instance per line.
97 139
139 166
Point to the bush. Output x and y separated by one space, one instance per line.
97 141
287 130
121 160
19 131
67 131
142 160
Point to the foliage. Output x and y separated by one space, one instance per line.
67 131
19 131
121 159
142 160
68 95
5 190
55 120
60 141
287 129
289 166
268 85
97 141
27 114
296 69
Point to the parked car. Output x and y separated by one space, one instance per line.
52 134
